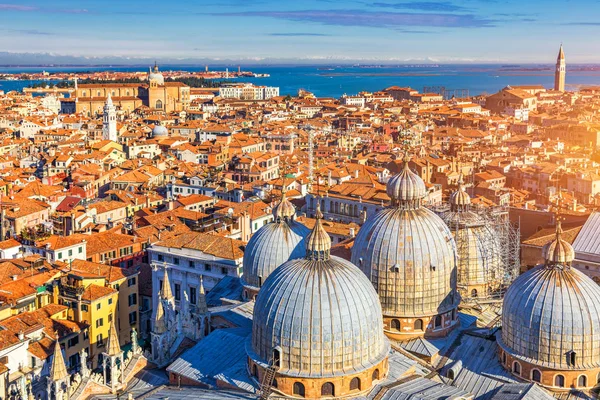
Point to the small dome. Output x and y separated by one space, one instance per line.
460 199
160 130
559 251
156 76
284 209
318 242
272 245
406 188
321 314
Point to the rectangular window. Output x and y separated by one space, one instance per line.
132 317
98 306
109 301
131 282
175 260
192 264
177 292
160 257
59 255
110 317
84 307
132 298
99 342
70 252
80 250
206 267
99 322
193 295
73 341
224 270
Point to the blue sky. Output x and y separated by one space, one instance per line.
438 31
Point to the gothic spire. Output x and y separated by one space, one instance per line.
159 319
166 292
58 370
112 347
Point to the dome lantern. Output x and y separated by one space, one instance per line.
406 189
460 200
559 252
318 243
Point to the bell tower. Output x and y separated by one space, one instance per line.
561 71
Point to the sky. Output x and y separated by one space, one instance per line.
448 31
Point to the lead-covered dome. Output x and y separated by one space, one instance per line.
551 316
273 244
320 315
408 253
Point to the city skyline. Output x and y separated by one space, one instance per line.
307 31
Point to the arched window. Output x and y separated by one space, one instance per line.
355 384
298 389
582 381
375 375
437 323
450 374
419 325
276 358
395 324
159 104
559 381
536 376
474 293
327 389
516 368
571 358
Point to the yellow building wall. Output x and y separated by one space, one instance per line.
102 310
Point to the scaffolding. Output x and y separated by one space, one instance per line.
487 247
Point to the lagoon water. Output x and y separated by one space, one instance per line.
334 81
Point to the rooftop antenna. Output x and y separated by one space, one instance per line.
311 167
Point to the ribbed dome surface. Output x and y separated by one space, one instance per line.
284 209
322 315
406 187
549 312
559 251
410 256
460 198
272 245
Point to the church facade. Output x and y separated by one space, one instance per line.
157 94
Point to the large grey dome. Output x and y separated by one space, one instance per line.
321 314
411 258
549 312
272 245
551 315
